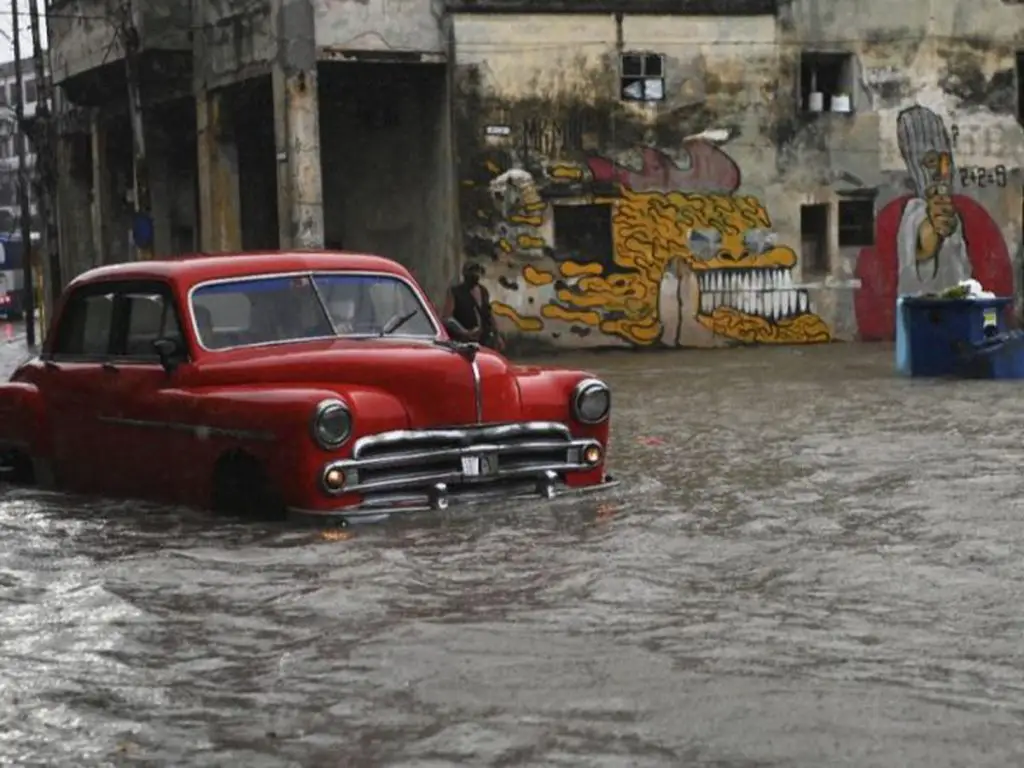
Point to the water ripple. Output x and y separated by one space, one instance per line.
810 563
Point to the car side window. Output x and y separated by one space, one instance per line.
150 315
222 318
85 327
391 298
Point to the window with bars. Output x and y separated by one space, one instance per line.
642 77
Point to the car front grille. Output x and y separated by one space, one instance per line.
490 455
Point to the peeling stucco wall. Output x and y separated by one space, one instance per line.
677 222
239 34
237 41
693 242
164 25
384 26
83 34
944 71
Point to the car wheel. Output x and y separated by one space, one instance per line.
18 468
241 489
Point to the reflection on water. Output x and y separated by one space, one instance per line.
809 563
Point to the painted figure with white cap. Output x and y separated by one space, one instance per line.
932 250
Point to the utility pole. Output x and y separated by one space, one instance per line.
142 224
27 252
46 176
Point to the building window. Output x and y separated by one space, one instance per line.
31 91
826 82
814 239
856 222
583 233
642 77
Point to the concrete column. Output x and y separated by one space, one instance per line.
74 214
101 208
220 220
297 126
159 183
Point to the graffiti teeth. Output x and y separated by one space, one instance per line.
767 293
773 305
751 329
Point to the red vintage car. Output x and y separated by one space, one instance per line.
317 383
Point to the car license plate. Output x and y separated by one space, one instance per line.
990 317
479 466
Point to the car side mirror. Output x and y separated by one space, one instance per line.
170 353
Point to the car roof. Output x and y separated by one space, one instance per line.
187 271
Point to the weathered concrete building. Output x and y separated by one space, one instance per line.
698 173
10 135
268 123
633 172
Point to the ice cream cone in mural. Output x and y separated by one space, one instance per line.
933 252
931 239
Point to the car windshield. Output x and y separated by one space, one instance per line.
267 310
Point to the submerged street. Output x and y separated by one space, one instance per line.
809 562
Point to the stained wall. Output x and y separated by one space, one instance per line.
679 223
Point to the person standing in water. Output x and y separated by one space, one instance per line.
469 304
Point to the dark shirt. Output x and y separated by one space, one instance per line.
471 315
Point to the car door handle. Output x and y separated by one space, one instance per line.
110 368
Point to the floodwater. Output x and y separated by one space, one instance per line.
810 563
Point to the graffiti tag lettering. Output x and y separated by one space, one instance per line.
976 176
553 138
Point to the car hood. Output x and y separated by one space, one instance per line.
436 385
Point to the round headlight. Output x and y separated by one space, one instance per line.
331 424
591 401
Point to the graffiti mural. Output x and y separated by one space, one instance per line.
640 248
930 239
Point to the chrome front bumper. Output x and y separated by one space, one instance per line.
415 470
380 510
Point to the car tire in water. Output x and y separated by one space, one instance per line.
241 489
18 468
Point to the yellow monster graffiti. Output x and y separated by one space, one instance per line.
718 250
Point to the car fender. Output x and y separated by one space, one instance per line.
547 395
278 419
284 411
23 420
